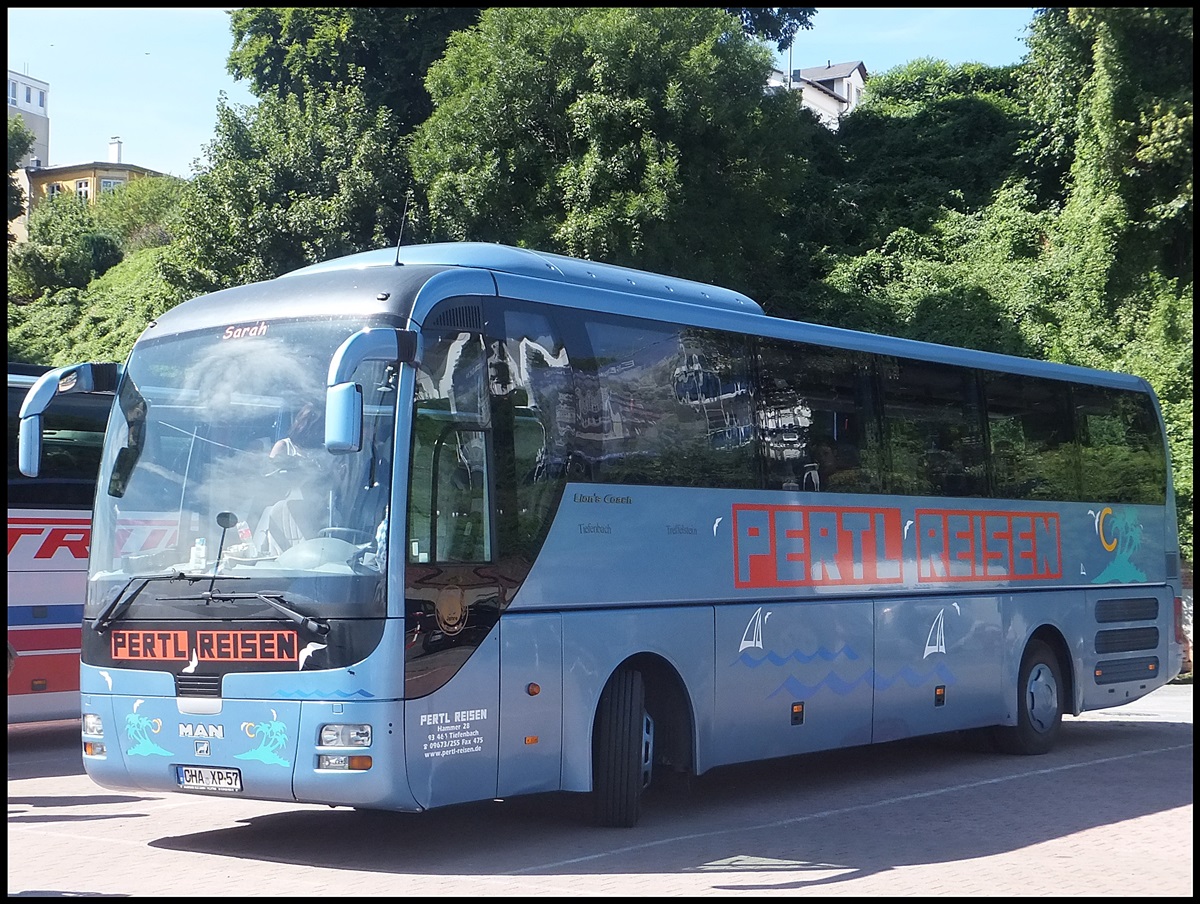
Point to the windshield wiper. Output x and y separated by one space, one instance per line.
311 624
273 599
123 600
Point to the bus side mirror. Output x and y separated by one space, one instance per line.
343 397
29 445
343 418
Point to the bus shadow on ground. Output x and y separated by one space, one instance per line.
811 820
39 749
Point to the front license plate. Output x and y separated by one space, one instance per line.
206 778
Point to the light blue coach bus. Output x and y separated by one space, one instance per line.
570 525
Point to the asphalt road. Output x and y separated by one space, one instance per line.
1108 813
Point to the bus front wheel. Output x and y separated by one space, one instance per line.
1039 704
622 750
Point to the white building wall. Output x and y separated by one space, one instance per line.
29 99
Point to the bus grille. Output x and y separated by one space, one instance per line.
197 685
1125 640
1114 671
1136 609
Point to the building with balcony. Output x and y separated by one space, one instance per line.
830 91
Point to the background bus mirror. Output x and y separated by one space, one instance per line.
99 377
29 445
343 418
95 377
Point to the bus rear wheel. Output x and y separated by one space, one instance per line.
1039 704
622 750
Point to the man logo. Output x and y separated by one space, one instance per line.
203 748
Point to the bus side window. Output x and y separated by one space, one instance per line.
1121 449
935 429
1032 446
533 404
448 504
816 414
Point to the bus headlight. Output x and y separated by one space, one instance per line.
338 735
91 727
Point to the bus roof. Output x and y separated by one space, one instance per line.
542 265
373 284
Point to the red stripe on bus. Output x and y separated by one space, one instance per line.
77 522
44 639
44 674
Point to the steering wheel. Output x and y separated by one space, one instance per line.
349 534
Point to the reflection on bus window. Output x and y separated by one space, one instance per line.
817 418
448 487
666 405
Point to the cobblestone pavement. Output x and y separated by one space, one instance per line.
1108 813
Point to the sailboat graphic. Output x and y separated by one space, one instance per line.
936 642
752 637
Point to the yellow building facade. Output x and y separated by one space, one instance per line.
85 180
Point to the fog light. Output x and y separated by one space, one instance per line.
93 725
94 748
343 762
337 735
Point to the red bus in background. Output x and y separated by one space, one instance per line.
49 532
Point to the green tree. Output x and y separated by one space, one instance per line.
20 140
776 26
1053 74
286 51
37 331
97 323
66 249
928 137
141 212
290 181
637 136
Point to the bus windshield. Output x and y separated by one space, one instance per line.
215 465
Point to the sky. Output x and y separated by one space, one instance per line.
152 77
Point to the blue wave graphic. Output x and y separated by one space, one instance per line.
794 688
747 659
319 695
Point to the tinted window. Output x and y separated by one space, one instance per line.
816 412
1032 438
448 504
666 405
934 425
1121 450
533 423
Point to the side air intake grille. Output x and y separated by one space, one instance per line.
197 685
464 317
1129 609
1126 640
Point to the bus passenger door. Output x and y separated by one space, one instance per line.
452 601
452 588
